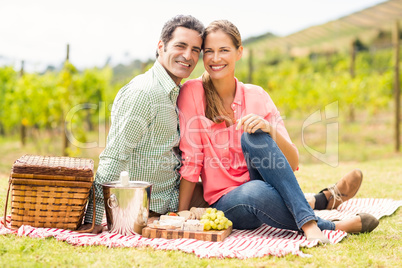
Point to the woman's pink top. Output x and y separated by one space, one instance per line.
213 151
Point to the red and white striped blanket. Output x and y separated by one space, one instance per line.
241 244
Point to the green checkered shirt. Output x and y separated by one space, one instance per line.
142 140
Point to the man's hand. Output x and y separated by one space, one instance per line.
97 228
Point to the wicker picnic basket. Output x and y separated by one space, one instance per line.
49 191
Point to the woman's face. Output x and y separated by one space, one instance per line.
220 55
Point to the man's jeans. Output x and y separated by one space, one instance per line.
273 195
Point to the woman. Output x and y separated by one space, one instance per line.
233 137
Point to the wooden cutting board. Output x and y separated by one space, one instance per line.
214 236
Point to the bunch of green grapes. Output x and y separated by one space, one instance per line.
214 219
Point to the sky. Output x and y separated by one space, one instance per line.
38 31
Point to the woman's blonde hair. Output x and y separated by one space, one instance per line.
215 110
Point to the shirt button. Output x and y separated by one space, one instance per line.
225 148
234 111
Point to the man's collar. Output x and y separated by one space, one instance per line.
164 78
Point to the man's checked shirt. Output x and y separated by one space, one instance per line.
142 139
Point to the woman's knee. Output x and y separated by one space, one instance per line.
255 193
256 140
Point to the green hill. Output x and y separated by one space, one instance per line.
371 26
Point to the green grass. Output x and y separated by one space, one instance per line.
381 248
366 145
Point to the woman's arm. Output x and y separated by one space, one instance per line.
190 141
286 147
185 194
252 122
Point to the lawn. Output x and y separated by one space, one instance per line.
382 248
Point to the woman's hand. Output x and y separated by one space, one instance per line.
252 122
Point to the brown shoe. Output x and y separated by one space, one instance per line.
369 222
361 223
344 189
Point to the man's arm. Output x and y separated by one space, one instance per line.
131 115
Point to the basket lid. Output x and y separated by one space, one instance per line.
54 165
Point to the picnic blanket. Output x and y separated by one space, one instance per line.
260 242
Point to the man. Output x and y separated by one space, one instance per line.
144 133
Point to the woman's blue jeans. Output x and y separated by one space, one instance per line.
273 195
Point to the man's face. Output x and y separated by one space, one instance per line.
180 55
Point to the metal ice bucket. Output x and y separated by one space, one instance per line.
127 207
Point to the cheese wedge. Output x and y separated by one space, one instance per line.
193 225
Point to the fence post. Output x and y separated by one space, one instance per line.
352 59
22 68
64 127
250 66
23 120
352 75
397 88
68 52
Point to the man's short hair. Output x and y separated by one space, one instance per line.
186 21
